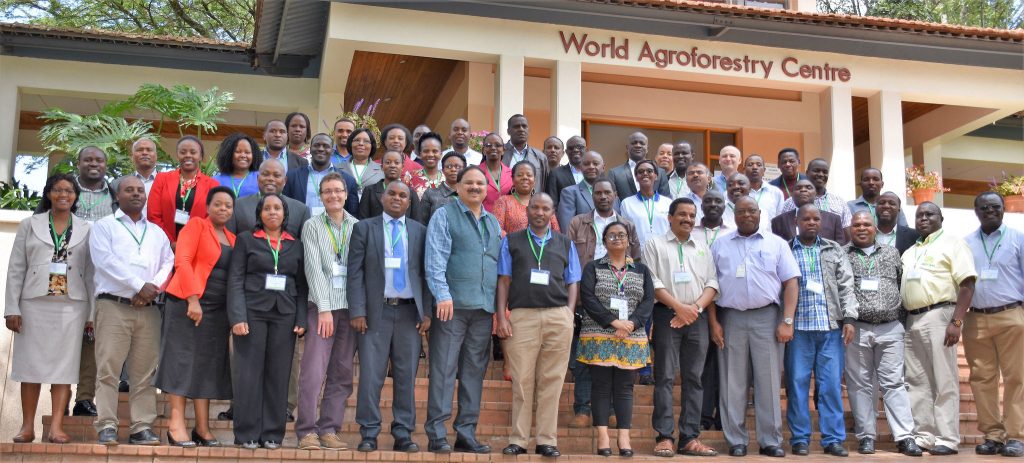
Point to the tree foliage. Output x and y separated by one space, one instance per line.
998 14
231 20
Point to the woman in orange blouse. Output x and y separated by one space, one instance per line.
180 194
510 210
194 355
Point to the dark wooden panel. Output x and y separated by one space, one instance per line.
965 187
861 123
407 86
29 120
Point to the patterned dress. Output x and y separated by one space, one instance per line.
598 344
419 182
59 283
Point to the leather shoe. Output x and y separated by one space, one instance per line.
367 446
866 446
738 451
625 453
439 446
772 451
942 450
836 450
604 452
108 436
1013 448
514 449
989 447
405 444
213 442
251 445
122 386
550 451
471 446
84 408
227 415
909 447
271 445
646 380
144 437
801 449
185 444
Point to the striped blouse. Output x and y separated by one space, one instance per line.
321 256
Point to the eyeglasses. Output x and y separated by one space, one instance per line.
990 207
575 148
453 166
333 191
645 172
617 237
62 191
492 145
360 141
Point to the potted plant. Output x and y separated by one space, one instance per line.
1012 191
365 120
922 185
476 140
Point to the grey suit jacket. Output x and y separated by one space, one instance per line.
28 274
366 268
623 179
537 158
577 200
244 217
371 175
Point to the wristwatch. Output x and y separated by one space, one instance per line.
957 322
700 309
787 320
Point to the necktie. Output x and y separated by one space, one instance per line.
398 276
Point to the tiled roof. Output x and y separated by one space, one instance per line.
121 37
837 20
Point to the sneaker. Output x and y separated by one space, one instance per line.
309 442
332 441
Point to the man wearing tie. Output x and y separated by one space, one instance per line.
389 307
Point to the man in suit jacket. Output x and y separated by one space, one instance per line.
297 185
579 199
784 224
275 135
622 176
889 231
568 175
271 179
516 149
390 308
371 203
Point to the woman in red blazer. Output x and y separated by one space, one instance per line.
194 352
180 194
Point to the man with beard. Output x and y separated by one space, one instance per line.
342 129
871 186
785 224
275 135
624 177
304 184
459 138
890 232
817 172
517 149
570 174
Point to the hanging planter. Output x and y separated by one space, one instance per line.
921 195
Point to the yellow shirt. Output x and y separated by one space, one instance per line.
684 282
933 270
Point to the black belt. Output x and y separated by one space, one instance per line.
992 310
119 299
929 308
398 301
874 323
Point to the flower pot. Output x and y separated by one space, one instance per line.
923 194
1014 203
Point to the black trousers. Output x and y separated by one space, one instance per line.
684 349
262 365
609 382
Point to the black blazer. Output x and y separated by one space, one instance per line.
905 238
622 177
370 205
297 186
295 161
366 268
784 226
559 179
243 220
251 261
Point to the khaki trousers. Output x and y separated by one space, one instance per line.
994 346
133 334
933 379
538 357
87 371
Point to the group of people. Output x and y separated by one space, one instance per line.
261 284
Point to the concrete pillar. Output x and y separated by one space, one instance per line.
567 97
480 96
933 163
10 101
508 91
330 107
885 119
836 112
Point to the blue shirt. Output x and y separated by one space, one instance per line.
811 308
282 158
767 262
242 187
439 241
389 278
861 204
338 158
313 188
1007 259
573 273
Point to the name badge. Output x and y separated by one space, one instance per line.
914 274
339 270
741 271
58 268
539 277
317 210
815 287
622 306
986 274
392 262
869 284
138 260
276 282
180 217
680 276
337 282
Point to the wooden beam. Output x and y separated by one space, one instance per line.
965 187
29 120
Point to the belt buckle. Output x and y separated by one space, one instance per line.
390 301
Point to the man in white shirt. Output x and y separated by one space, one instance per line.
647 209
459 136
769 197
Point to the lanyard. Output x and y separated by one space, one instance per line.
275 252
811 255
788 194
597 233
619 276
58 240
516 194
891 240
713 238
874 215
534 249
983 243
393 240
649 207
869 262
923 244
138 241
495 179
679 185
339 247
236 188
589 187
682 254
91 205
188 191
759 194
359 175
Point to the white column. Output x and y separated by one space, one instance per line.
885 119
567 97
836 112
480 96
9 100
933 163
508 91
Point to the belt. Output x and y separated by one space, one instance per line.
992 310
929 308
874 323
398 301
119 299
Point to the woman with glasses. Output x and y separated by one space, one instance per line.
499 177
48 301
618 297
429 175
361 145
435 198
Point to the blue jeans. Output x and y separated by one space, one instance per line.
820 352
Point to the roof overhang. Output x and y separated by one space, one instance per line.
289 36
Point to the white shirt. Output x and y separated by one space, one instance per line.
632 175
647 225
473 157
770 199
678 188
600 223
123 265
